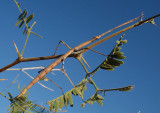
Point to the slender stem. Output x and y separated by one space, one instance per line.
83 65
27 37
88 73
4 95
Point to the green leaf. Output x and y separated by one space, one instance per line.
10 95
21 16
118 53
85 87
21 24
114 62
118 56
19 21
99 102
61 102
128 88
89 101
65 100
70 99
56 105
29 18
74 92
99 97
51 106
123 41
118 48
106 68
82 105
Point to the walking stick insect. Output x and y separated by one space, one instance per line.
75 52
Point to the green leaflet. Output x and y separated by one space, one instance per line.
128 88
123 41
83 104
61 102
118 56
79 91
56 105
21 16
19 21
95 98
74 92
99 102
70 99
118 53
65 100
90 102
21 24
25 30
118 48
85 87
10 95
99 97
106 68
115 62
51 106
29 18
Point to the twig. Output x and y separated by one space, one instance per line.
31 68
11 83
37 82
15 69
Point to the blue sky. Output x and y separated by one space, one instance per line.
76 21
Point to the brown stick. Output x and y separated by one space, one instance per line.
55 63
31 59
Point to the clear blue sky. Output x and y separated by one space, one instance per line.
76 21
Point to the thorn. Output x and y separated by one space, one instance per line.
85 62
142 16
17 50
3 79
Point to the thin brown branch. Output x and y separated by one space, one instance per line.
11 83
10 65
37 82
18 60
